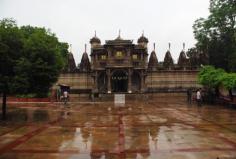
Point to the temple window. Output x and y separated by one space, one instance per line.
119 54
103 57
134 56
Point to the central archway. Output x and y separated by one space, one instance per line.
119 81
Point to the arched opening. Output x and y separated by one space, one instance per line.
119 81
102 82
136 82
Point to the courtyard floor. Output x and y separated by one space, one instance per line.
162 128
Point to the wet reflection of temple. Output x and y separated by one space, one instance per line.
120 65
100 136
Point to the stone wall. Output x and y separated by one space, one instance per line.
76 81
171 81
156 81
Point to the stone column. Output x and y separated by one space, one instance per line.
129 57
109 81
108 53
130 81
95 86
109 56
142 82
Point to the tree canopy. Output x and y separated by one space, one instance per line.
216 35
213 78
31 59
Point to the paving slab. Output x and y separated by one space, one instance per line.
163 128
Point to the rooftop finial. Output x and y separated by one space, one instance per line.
154 46
95 33
119 33
70 48
143 33
169 46
183 46
85 48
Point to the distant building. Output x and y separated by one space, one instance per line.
120 65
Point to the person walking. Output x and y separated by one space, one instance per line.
58 94
189 96
65 97
199 98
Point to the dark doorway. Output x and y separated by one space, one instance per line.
119 81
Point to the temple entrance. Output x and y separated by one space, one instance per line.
119 81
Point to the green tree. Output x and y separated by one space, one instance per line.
46 56
31 59
11 46
216 34
228 80
212 78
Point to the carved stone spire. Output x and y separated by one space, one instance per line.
182 61
153 62
168 60
85 65
71 67
70 48
119 36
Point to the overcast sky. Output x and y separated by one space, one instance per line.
74 21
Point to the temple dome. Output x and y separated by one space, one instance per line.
95 39
143 39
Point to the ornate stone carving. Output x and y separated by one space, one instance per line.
85 65
153 62
183 62
71 66
168 61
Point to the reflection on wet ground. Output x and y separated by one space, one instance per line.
161 128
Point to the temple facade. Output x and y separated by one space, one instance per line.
123 66
119 65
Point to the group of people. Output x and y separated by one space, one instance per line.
198 96
65 96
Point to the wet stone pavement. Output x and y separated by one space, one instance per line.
161 128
